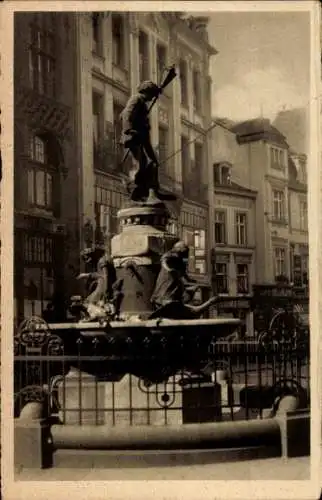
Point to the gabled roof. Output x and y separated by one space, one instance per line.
258 129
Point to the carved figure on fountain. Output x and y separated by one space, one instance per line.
104 290
174 289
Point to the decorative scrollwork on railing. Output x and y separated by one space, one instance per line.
16 346
30 394
55 382
164 397
55 346
33 332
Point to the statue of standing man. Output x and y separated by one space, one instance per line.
136 138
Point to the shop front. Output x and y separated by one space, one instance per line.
270 301
39 271
239 308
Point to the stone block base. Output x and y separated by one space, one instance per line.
295 433
32 445
129 402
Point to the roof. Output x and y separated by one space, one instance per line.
224 122
258 129
233 186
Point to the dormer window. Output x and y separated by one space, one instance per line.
222 174
277 157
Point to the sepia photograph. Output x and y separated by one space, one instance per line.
163 189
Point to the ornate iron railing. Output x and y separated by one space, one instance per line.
99 380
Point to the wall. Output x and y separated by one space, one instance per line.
231 203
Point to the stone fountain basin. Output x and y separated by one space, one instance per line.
150 349
135 329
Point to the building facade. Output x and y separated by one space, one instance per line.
279 177
116 51
259 210
45 160
298 220
234 244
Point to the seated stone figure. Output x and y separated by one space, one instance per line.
174 288
104 299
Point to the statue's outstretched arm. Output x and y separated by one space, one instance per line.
166 264
88 275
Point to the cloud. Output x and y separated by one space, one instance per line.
258 92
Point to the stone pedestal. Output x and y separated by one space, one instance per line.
130 403
136 253
81 399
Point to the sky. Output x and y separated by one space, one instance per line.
262 65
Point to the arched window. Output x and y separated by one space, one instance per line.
43 173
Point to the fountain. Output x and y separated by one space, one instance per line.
138 324
149 343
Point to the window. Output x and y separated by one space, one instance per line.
118 40
196 240
40 177
102 223
280 262
222 175
184 83
199 158
98 119
144 70
37 249
172 227
242 278
97 33
37 149
196 90
163 144
277 157
303 216
221 277
188 238
118 148
185 154
302 172
40 188
161 62
241 229
42 60
220 227
38 273
200 251
107 203
305 270
278 205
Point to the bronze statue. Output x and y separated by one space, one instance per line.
174 289
136 138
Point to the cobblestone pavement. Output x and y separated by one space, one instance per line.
265 469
